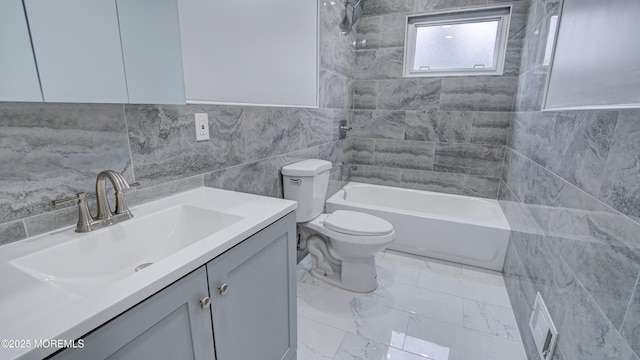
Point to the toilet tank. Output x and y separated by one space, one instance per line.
306 182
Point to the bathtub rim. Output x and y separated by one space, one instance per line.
498 223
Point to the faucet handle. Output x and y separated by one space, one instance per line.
84 215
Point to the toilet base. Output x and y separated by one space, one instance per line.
357 275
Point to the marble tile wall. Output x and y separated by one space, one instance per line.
570 189
440 134
51 151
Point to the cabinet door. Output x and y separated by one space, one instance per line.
18 74
169 325
77 49
150 35
253 296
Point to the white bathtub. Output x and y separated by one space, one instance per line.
456 228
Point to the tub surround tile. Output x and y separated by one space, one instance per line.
431 5
490 128
478 94
381 63
440 126
620 186
392 30
368 32
473 159
379 124
484 187
363 151
52 151
11 232
409 94
388 7
404 154
433 181
377 175
365 94
335 90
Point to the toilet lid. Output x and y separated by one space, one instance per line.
357 223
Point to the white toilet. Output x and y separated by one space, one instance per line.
343 244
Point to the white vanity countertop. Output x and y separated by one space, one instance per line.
33 310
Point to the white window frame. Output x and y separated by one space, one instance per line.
501 13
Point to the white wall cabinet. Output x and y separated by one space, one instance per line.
77 48
18 74
250 52
253 316
107 51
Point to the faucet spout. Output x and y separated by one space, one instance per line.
119 185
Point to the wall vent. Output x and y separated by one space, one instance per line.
545 334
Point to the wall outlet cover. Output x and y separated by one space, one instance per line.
202 126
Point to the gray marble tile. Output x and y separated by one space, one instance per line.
378 124
631 326
587 334
409 94
52 151
368 32
163 145
433 181
377 175
490 128
483 160
521 295
621 181
334 90
530 92
531 134
430 5
316 126
382 63
580 147
144 194
382 7
362 151
404 154
330 14
365 94
392 30
479 93
271 131
52 220
440 126
337 54
11 232
484 187
333 152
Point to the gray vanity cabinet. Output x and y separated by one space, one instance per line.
253 296
169 325
251 313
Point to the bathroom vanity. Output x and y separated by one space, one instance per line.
206 297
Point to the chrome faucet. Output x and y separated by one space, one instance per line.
105 217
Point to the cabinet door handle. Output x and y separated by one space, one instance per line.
204 303
223 289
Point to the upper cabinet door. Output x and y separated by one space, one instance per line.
77 48
18 74
250 51
150 35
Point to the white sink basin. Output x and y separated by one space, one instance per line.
96 259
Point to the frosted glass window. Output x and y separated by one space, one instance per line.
458 43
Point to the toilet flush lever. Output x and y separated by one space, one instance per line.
296 181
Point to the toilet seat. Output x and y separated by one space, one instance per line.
357 223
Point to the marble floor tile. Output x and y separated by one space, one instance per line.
490 319
422 309
317 340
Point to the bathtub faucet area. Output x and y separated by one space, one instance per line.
352 166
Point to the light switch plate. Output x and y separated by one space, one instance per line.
202 126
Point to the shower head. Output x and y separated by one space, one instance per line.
357 10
